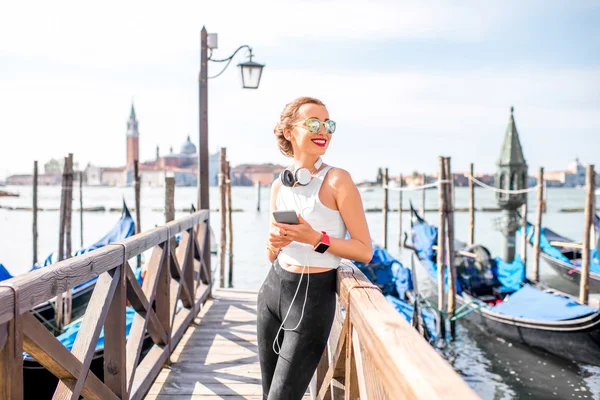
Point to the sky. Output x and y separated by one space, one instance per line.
405 81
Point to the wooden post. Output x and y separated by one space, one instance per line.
223 214
385 207
229 221
450 247
538 225
588 217
138 210
257 184
400 184
524 236
69 208
58 314
424 177
471 205
169 199
81 208
68 295
35 210
441 252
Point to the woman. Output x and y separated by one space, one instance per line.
296 303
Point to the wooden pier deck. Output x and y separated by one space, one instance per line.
217 357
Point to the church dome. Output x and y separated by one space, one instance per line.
188 147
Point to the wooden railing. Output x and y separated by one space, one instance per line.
173 274
373 353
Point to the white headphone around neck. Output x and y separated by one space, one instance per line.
300 177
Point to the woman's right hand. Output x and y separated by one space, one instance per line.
277 238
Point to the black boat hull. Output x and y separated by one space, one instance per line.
576 340
571 273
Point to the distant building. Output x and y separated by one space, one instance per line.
249 174
183 165
43 179
573 176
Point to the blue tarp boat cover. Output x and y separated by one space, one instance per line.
407 310
123 229
531 303
387 273
509 275
424 237
67 338
548 235
4 274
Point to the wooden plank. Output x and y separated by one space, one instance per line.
11 360
147 370
358 366
54 356
87 337
43 284
140 304
566 244
335 368
163 294
524 234
182 266
115 372
405 361
140 322
351 380
374 387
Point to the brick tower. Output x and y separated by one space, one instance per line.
133 139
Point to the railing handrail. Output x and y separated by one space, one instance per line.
44 284
407 366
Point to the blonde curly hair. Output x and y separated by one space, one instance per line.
286 121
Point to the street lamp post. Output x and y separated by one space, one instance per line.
251 74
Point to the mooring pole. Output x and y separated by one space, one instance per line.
471 205
588 217
538 225
35 210
138 207
450 247
385 207
229 221
441 251
223 214
400 184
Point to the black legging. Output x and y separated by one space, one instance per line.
286 376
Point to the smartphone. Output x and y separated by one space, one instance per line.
286 217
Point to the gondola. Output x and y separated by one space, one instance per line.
398 287
81 294
496 297
567 260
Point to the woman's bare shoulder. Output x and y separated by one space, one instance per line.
339 176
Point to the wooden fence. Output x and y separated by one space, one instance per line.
173 275
373 353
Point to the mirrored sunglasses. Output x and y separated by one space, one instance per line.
314 125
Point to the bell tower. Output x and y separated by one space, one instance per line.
512 175
133 138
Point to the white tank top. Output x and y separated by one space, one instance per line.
305 201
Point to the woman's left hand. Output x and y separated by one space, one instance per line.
301 233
